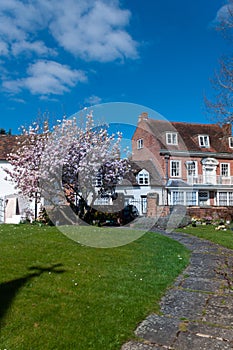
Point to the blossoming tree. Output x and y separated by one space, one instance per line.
63 166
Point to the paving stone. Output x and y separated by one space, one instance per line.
218 315
180 303
206 260
194 243
203 284
196 270
221 301
206 248
159 329
201 247
230 260
226 252
140 346
189 341
216 332
202 295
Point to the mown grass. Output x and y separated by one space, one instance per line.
58 294
209 232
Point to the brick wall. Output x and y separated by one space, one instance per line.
217 213
150 150
225 213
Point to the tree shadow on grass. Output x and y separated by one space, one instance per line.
9 290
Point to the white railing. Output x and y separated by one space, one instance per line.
210 180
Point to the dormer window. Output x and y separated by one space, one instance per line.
231 142
171 138
143 177
139 143
204 141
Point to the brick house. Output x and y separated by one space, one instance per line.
173 163
195 161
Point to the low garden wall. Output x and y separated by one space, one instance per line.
216 213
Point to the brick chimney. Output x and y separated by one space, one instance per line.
143 117
227 129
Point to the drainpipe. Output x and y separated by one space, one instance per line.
166 157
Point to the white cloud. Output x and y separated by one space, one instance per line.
93 100
38 47
92 30
40 29
46 77
19 100
18 19
3 48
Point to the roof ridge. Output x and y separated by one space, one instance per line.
187 123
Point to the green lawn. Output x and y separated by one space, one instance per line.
224 238
57 294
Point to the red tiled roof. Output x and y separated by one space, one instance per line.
155 177
188 135
7 144
136 167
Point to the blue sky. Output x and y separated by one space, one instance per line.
60 56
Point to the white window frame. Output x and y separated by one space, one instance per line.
227 200
172 138
193 200
177 198
139 143
222 170
181 197
230 198
204 141
231 141
143 178
191 171
172 170
222 199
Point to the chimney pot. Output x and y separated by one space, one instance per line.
143 116
227 129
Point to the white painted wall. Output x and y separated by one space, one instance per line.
8 194
136 193
6 187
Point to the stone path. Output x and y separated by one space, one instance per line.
197 312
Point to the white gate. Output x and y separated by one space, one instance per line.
140 204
